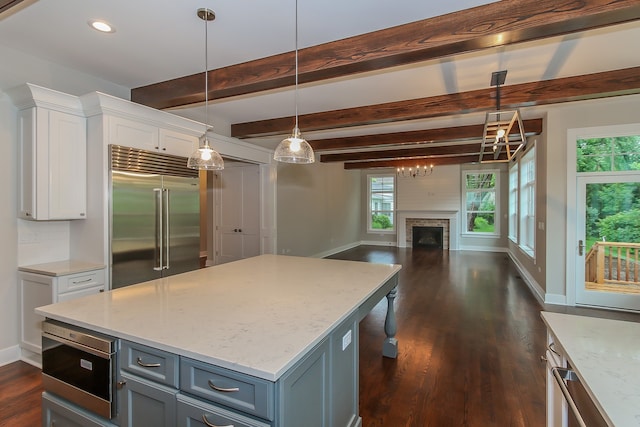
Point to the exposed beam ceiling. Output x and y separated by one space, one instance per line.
433 150
454 160
496 24
419 143
590 86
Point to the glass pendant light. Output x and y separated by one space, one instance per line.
205 157
295 149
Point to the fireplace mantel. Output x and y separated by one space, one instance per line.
452 216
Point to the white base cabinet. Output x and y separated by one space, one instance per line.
37 290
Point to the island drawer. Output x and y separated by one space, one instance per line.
156 365
77 281
252 395
193 412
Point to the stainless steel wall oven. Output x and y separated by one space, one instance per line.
80 366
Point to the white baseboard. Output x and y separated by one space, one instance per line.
31 358
9 355
377 243
535 287
336 250
483 249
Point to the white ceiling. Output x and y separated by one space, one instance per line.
157 41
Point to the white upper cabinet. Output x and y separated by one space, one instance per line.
52 144
177 143
150 137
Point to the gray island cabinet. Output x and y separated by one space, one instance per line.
266 341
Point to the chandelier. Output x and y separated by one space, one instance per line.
414 173
503 134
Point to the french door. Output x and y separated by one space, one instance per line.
608 240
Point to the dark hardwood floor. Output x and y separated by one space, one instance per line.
470 340
20 389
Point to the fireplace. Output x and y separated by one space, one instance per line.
448 220
427 237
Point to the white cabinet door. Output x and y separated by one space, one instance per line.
136 134
177 143
68 166
53 165
130 133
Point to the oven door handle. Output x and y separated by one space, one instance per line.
77 346
560 374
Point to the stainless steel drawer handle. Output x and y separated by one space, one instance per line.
147 365
562 374
75 282
206 421
553 350
221 389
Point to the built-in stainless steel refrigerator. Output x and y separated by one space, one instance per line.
155 216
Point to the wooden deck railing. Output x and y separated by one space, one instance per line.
613 262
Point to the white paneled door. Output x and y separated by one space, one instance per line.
238 213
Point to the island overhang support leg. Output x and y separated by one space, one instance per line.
390 346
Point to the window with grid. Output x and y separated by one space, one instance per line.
528 201
513 202
382 204
481 207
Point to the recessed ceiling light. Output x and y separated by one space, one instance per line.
101 26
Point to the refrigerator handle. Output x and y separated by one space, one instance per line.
158 251
166 228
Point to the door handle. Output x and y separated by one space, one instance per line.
159 254
580 247
167 235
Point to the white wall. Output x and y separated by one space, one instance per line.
318 209
24 242
439 191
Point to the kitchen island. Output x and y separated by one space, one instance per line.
605 356
287 324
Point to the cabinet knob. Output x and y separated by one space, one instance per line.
121 384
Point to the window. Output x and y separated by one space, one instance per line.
527 195
513 202
382 203
480 206
621 153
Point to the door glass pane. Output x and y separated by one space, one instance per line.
612 232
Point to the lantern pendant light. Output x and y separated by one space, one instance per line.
205 157
295 149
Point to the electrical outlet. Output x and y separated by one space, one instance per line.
346 340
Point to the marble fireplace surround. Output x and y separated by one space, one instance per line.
452 216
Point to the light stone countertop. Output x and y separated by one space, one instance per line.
258 316
61 268
605 354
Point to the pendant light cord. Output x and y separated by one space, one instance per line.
296 87
206 75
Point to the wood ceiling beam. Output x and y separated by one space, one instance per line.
456 133
435 161
8 4
405 153
496 24
576 88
